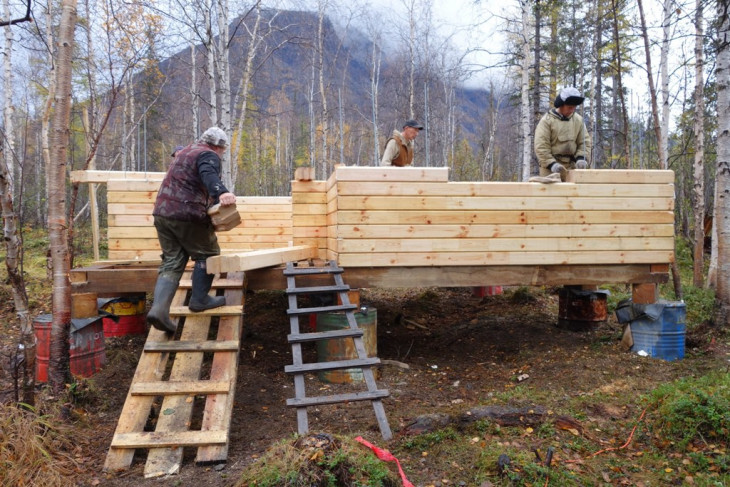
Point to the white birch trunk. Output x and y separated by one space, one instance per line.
525 90
664 74
722 203
224 89
698 185
374 85
322 89
194 95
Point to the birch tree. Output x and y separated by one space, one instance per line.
722 203
525 87
57 223
699 161
11 233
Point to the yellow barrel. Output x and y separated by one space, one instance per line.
344 348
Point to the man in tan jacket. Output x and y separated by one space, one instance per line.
399 147
561 138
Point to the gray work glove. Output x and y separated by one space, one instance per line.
581 163
557 167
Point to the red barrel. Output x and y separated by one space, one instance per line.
127 325
42 330
87 353
86 349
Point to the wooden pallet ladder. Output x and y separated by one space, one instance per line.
172 368
296 338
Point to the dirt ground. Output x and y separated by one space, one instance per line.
454 351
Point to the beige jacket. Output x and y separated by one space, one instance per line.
559 139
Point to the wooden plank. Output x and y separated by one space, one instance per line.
257 259
557 244
361 173
171 440
131 196
308 187
434 217
176 411
308 199
114 185
220 311
467 276
546 203
504 231
136 409
218 412
496 189
130 220
188 388
130 208
195 346
402 259
626 176
96 176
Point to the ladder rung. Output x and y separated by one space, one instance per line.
193 346
333 365
170 388
356 396
308 271
322 309
318 289
157 439
324 335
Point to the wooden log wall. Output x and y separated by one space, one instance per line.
266 222
404 217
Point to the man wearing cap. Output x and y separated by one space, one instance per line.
192 184
561 138
399 147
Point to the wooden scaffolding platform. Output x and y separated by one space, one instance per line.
200 360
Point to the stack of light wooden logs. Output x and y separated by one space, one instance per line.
415 217
410 217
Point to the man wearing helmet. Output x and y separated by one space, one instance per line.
561 139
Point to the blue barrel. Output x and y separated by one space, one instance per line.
664 337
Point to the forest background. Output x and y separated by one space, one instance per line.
115 85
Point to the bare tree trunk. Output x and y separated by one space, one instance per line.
210 52
374 82
243 90
664 70
194 91
322 91
722 203
597 159
57 223
652 89
11 233
699 164
525 104
411 6
224 87
619 83
657 130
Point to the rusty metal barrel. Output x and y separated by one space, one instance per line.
344 348
580 310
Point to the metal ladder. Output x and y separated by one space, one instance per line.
296 338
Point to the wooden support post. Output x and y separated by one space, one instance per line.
644 293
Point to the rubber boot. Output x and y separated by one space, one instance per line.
199 299
159 315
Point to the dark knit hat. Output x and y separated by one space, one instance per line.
568 96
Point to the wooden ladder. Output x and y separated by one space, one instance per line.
171 367
296 338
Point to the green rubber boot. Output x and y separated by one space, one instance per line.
199 299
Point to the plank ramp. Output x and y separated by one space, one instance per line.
171 368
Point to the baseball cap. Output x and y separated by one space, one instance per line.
413 123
